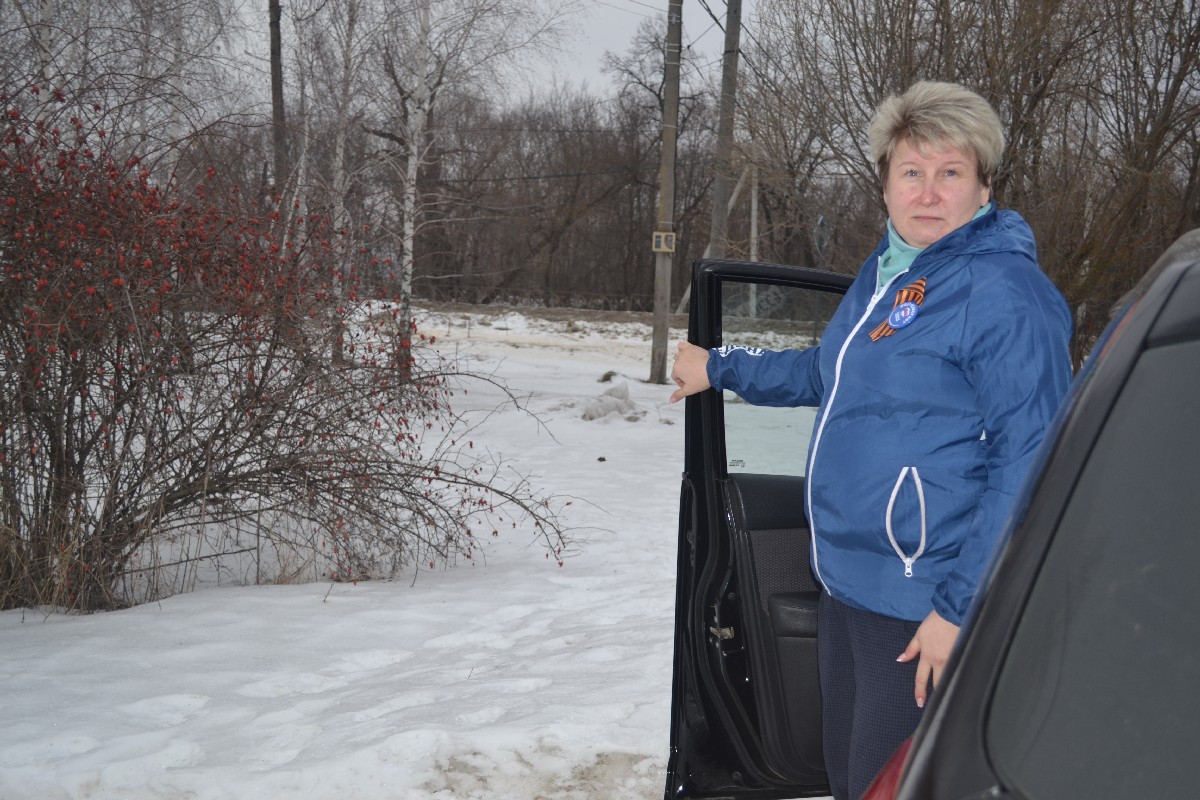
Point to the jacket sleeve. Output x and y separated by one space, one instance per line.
767 377
1016 355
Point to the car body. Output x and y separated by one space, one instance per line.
1077 672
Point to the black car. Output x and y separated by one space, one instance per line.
1077 672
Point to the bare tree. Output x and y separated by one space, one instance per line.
1100 100
427 50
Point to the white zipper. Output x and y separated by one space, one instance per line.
908 560
837 377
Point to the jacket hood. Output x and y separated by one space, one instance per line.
997 231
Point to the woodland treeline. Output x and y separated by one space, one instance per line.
400 120
214 219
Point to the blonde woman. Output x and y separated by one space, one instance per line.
935 381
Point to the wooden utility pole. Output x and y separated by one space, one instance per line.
663 241
722 201
718 239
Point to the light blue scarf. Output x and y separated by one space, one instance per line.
900 254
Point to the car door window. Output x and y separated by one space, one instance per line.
760 439
1098 694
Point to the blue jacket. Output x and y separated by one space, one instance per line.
932 395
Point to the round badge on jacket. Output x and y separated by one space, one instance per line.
903 315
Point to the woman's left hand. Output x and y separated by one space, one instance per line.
933 643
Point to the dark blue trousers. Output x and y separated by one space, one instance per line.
867 701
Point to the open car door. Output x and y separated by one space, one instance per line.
745 704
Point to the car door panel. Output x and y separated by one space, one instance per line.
779 619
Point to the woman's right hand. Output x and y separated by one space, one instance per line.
690 371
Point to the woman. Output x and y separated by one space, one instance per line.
935 381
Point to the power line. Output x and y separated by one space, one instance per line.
646 5
701 36
741 53
715 19
628 10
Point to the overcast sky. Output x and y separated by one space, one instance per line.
609 25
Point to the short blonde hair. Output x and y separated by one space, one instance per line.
935 113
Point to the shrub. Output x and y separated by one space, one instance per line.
170 366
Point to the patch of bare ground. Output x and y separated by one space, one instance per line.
611 775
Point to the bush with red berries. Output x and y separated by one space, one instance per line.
172 366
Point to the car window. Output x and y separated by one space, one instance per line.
759 439
1099 695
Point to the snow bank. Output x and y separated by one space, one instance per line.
507 678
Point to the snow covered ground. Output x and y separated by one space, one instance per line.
514 678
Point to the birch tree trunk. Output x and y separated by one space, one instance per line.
418 124
341 174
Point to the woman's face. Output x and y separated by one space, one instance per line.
931 191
